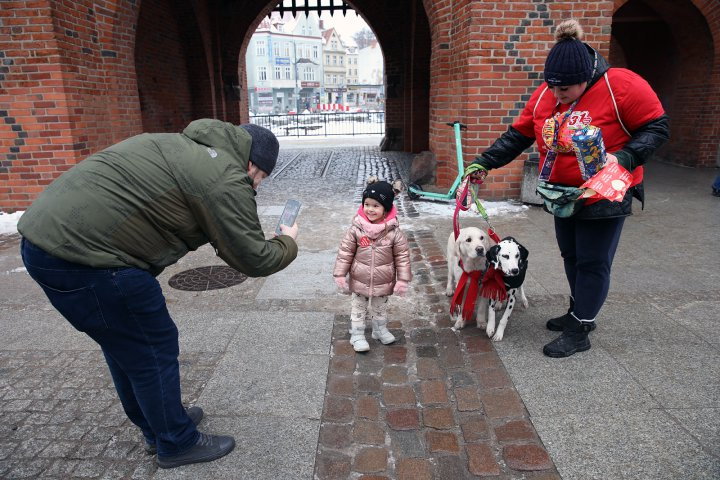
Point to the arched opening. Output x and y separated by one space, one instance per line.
670 44
399 98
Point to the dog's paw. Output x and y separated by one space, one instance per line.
449 292
490 329
498 336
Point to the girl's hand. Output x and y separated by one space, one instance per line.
341 283
401 288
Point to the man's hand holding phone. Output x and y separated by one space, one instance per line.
290 231
287 225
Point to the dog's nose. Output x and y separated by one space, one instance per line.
480 251
514 271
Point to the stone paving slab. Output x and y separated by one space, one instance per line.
267 448
636 445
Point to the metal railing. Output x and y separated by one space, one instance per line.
323 124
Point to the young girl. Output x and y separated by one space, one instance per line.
375 253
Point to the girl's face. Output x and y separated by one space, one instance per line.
373 210
568 93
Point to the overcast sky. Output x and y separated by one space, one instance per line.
346 26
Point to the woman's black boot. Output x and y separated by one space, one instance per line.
573 339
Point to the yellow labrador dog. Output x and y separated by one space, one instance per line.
470 248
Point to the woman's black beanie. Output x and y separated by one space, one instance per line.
569 62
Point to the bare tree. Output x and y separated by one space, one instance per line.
364 38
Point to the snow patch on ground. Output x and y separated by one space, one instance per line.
493 209
8 222
16 270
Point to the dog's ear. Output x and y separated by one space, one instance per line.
523 252
372 179
491 255
398 186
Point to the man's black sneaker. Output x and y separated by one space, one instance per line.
206 449
574 339
195 414
558 324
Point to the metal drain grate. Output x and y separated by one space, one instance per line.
207 278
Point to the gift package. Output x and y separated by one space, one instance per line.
589 150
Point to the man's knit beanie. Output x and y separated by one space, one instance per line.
264 148
569 62
382 192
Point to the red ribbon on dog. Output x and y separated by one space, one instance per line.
467 306
493 285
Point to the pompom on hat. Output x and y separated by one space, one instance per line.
569 62
264 148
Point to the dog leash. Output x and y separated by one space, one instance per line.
469 186
491 283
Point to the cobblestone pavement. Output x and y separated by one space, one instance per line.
434 405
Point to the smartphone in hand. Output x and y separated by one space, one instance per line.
289 215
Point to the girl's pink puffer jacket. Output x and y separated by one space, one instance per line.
376 261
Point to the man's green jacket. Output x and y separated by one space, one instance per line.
148 200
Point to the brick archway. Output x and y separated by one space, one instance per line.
672 45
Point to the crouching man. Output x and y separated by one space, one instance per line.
98 236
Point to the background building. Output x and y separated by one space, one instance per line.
370 77
334 67
284 65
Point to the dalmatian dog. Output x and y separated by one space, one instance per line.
469 250
510 258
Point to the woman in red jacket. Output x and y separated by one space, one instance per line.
582 90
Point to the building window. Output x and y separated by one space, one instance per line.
334 59
341 60
262 73
333 45
277 73
327 78
327 59
260 48
315 52
288 75
276 49
304 32
334 79
309 74
286 49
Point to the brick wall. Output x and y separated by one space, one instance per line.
65 89
488 58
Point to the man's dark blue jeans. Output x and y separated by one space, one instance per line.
124 311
